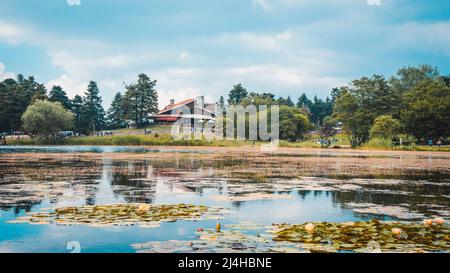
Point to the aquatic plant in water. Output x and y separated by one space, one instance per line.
224 241
144 215
358 236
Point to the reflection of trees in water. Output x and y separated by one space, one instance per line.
419 198
305 193
126 179
133 191
17 208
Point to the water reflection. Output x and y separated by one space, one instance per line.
32 182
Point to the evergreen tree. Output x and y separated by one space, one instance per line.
289 102
40 93
92 113
77 108
237 94
13 101
303 101
141 100
221 102
335 93
115 114
57 94
285 102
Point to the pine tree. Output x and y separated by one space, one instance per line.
39 94
221 102
237 94
303 101
289 102
57 94
141 100
77 107
92 113
115 115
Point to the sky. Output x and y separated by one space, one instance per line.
204 47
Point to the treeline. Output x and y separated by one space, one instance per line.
414 102
139 101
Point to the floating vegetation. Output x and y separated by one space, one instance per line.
248 225
144 215
367 236
225 241
251 196
392 211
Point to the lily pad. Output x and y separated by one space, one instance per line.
144 215
360 236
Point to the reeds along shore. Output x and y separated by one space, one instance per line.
167 140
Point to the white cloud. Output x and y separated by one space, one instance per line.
373 2
74 2
313 56
81 65
72 86
253 41
4 74
12 33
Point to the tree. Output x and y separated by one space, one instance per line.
258 99
77 108
410 76
33 90
13 99
221 104
287 102
426 112
45 118
446 80
57 94
92 112
303 101
293 124
141 100
318 109
359 104
385 126
335 93
116 115
237 94
348 111
39 94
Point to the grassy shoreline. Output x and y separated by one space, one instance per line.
166 140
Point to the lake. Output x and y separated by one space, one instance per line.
253 189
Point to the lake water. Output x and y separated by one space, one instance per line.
256 187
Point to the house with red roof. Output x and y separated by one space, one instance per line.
195 109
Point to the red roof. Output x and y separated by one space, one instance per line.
175 105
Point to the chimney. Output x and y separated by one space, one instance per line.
172 101
200 101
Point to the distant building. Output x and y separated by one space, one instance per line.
195 109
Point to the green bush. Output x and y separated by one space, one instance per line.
379 143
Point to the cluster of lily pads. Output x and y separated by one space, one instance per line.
372 236
221 241
431 236
144 215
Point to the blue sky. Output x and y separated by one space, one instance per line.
203 47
